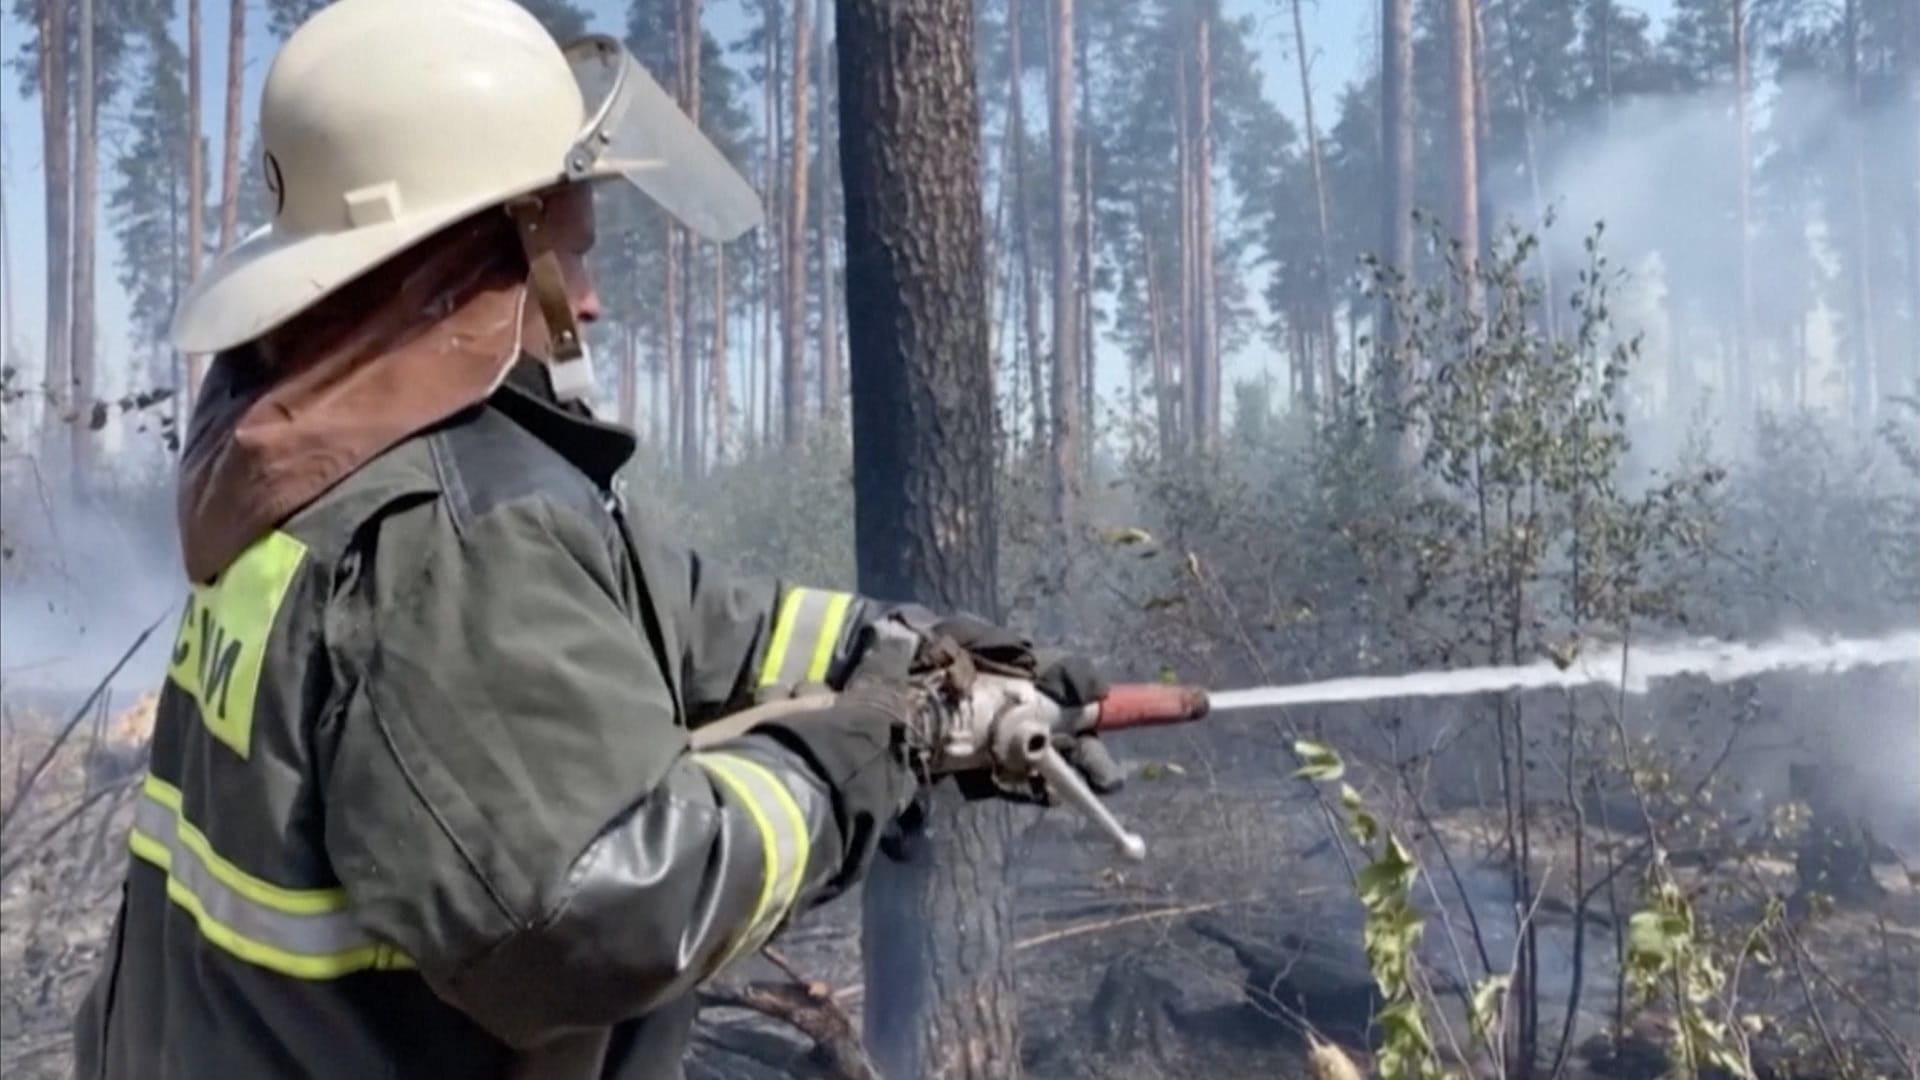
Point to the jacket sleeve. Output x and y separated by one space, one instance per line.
748 638
510 803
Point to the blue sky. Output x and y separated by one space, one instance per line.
1340 32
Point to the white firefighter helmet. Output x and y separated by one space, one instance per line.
384 121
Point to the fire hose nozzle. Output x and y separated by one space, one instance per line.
1131 705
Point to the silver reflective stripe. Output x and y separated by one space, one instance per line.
304 933
785 843
805 634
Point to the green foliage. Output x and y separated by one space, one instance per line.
1391 933
1669 956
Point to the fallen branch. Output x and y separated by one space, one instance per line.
801 1005
855 991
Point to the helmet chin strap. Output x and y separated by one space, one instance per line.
569 365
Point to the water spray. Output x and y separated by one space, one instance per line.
1017 745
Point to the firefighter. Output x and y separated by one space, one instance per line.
421 800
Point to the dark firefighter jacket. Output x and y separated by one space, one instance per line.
421 801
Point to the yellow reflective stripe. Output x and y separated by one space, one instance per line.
784 844
793 865
301 933
805 632
782 636
264 893
830 624
221 644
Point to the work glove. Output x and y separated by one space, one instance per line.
1066 678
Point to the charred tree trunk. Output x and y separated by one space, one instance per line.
937 940
85 197
196 197
793 330
1323 255
1205 421
1066 272
1396 143
1464 145
670 346
56 119
230 138
1023 226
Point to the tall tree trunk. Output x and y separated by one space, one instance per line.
722 393
1323 229
86 166
1066 274
687 41
1089 420
1023 226
1183 152
832 387
230 141
56 118
937 942
1156 339
629 379
1396 142
1550 309
773 236
1740 378
675 447
1861 313
1463 145
793 330
6 286
1206 357
196 199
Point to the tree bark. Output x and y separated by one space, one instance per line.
1206 360
230 141
1396 142
937 942
793 328
85 198
1023 227
196 199
55 120
1323 229
1066 274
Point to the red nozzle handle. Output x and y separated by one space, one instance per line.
1150 705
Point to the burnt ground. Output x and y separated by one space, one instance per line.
1207 960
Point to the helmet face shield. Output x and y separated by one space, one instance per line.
637 132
